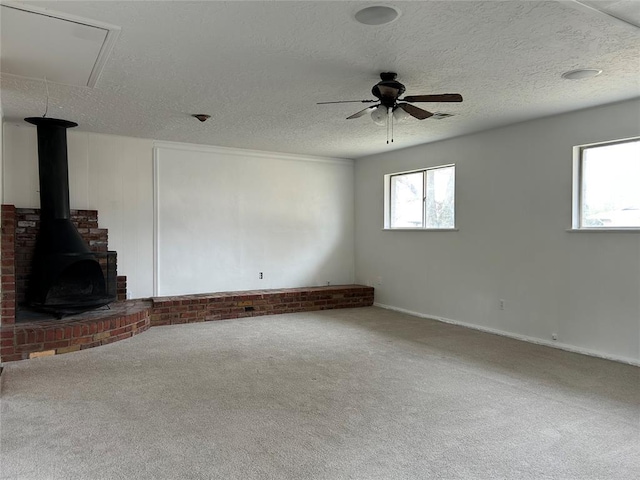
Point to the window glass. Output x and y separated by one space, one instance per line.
610 185
440 197
406 200
421 199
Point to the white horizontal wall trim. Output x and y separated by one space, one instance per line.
249 153
524 338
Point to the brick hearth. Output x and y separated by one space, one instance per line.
36 338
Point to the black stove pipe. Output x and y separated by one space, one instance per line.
57 231
53 166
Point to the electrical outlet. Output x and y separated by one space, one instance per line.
379 281
502 304
260 276
554 336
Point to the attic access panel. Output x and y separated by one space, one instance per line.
624 10
38 43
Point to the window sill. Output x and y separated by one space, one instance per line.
604 230
420 229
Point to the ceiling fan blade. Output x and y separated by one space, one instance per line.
445 97
362 112
414 111
348 101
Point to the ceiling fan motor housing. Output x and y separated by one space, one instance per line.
388 89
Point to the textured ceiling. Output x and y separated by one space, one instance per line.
259 68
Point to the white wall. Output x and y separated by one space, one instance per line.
225 215
513 210
290 217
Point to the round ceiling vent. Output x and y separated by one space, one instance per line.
377 15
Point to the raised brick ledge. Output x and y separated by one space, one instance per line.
252 303
25 340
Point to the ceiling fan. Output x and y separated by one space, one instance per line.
389 105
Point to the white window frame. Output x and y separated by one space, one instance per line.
576 213
387 201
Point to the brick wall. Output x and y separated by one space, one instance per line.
7 260
27 222
121 288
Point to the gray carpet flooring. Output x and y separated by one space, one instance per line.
345 394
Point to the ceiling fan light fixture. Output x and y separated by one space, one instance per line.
400 116
581 73
377 15
379 115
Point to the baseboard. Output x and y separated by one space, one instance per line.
524 338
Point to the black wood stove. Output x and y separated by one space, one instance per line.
66 277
